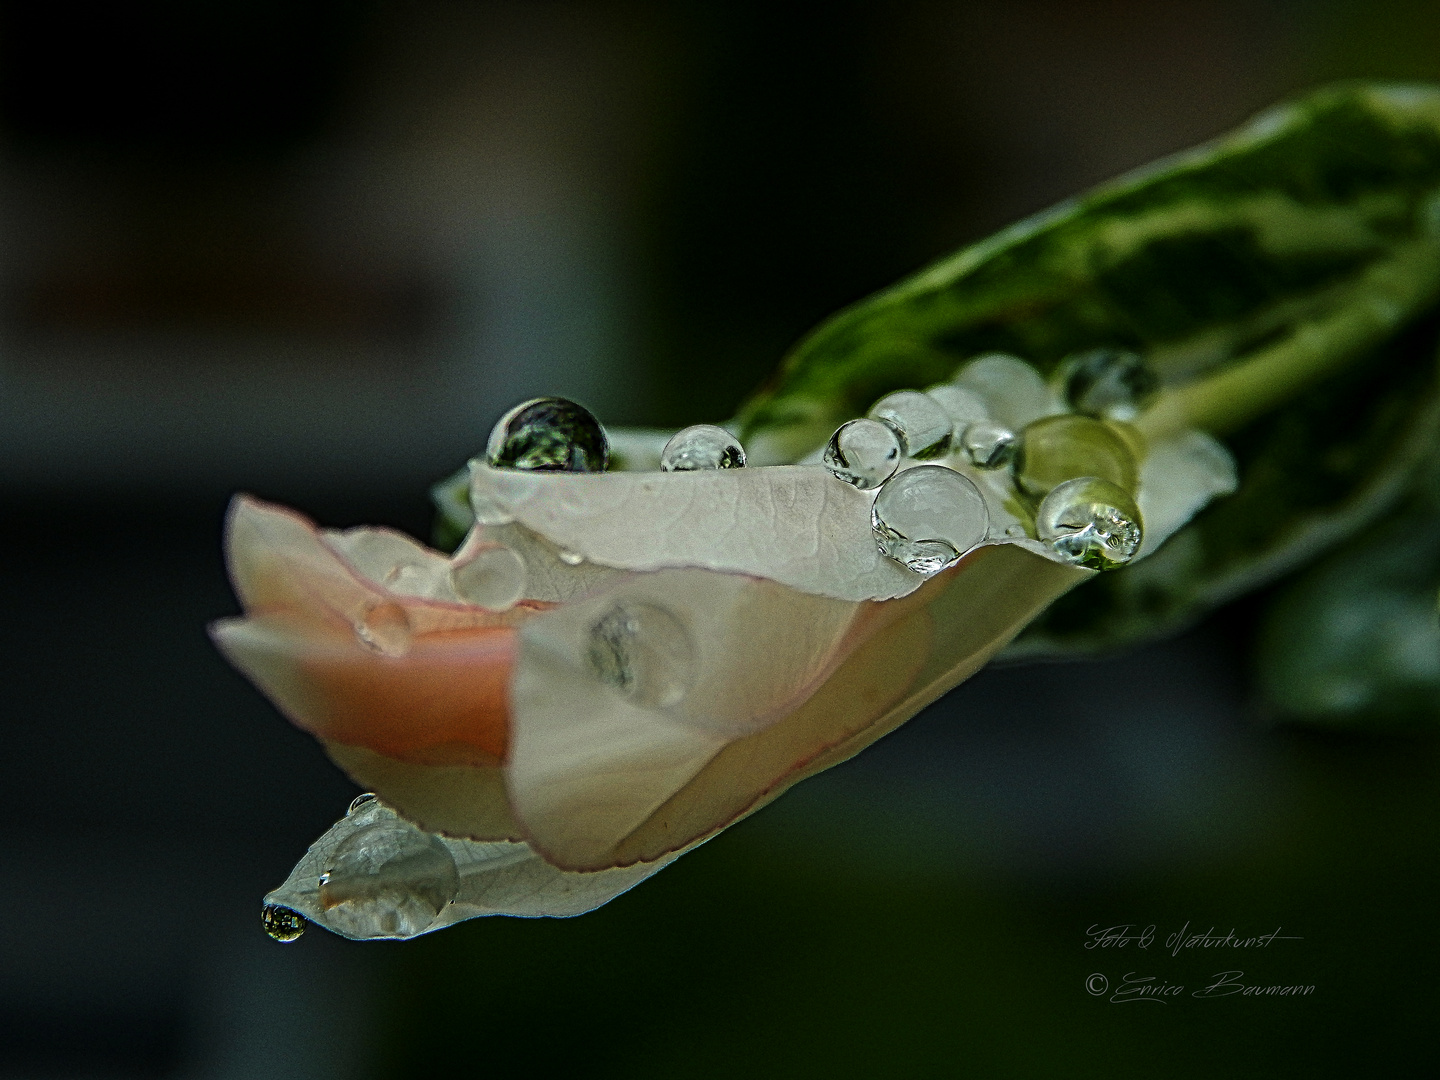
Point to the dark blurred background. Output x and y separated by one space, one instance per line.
312 249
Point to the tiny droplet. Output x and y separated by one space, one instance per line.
282 923
360 800
864 453
568 557
927 517
493 577
1090 522
548 434
922 425
702 446
384 628
644 651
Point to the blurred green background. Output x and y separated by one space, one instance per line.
312 250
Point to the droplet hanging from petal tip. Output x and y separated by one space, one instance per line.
281 923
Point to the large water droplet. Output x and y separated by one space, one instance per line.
493 577
548 434
702 446
921 423
1090 522
385 628
927 517
864 453
1105 382
1013 391
1060 448
989 446
644 651
387 879
281 923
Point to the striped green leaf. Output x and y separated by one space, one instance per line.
1282 282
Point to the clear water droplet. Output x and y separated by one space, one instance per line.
1060 448
963 406
493 577
282 923
568 557
548 434
360 800
918 420
927 517
1105 382
989 446
385 628
702 446
387 879
644 651
864 453
1012 390
1090 522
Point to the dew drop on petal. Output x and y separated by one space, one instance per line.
360 800
1012 390
548 434
988 445
921 423
1060 448
568 557
493 577
645 652
702 446
927 517
384 628
1105 382
387 879
1090 522
864 453
281 923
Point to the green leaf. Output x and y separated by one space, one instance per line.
1282 282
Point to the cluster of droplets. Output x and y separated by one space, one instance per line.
1063 451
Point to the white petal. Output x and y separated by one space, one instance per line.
1178 478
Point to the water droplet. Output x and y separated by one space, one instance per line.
548 434
387 879
493 577
1105 382
922 425
360 800
927 517
644 651
568 557
385 628
1090 522
989 446
864 453
702 446
1012 390
281 923
1060 448
963 406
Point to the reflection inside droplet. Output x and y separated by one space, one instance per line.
702 446
359 801
281 923
927 517
864 453
644 651
1090 522
387 879
548 434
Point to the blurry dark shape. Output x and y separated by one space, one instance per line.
222 76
